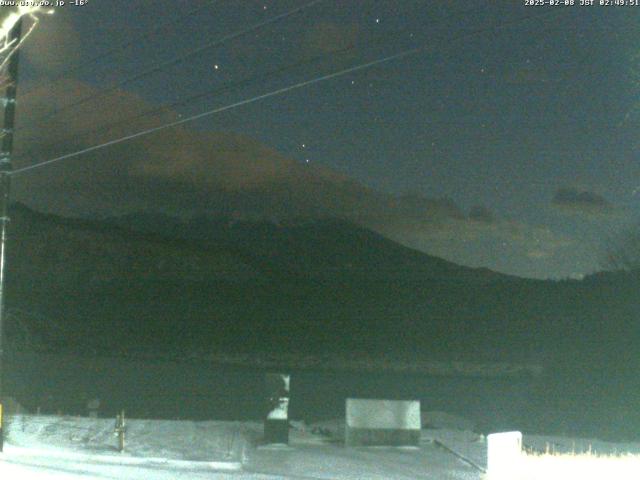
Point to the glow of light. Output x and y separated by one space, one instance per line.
585 466
504 453
216 67
506 460
8 470
12 19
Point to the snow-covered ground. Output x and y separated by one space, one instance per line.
51 447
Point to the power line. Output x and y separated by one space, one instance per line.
157 28
273 93
232 86
83 100
179 59
129 43
224 88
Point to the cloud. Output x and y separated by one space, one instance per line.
537 241
175 170
573 201
187 172
486 241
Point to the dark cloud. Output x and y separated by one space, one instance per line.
581 202
503 245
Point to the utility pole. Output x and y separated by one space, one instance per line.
9 102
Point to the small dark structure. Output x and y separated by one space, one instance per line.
276 425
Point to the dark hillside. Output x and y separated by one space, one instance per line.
327 248
296 294
320 287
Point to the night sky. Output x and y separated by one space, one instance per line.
517 125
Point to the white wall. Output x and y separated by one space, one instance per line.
383 414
